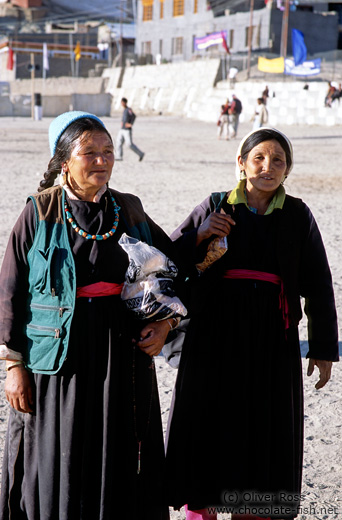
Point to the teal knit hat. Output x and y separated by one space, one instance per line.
62 122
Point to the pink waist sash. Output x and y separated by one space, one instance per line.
99 289
243 274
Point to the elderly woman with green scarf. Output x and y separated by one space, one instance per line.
237 424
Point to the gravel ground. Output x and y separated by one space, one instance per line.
184 162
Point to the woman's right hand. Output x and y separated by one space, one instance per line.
218 224
18 389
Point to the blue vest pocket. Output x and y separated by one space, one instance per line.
46 269
42 269
44 347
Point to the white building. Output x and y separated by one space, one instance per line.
169 29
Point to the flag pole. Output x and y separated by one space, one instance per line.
250 36
285 29
71 55
32 83
121 36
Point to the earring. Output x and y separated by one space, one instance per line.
284 179
242 175
63 176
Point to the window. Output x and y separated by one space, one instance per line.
177 45
147 10
178 7
161 9
194 43
247 35
195 6
258 35
146 48
161 47
231 39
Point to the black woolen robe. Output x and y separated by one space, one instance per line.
237 423
76 456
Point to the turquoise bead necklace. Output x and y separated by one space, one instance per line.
86 235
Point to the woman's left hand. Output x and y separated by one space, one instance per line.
153 336
324 371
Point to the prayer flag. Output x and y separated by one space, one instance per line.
10 59
45 57
77 51
224 42
275 66
211 39
307 68
298 47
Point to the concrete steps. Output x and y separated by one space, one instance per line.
288 103
185 90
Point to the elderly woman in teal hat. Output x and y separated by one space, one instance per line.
84 436
237 422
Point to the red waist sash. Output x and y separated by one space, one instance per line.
243 274
99 289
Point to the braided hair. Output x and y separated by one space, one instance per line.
65 147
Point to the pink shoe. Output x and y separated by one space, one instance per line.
199 514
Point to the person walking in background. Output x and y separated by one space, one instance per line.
330 94
336 94
234 115
260 117
223 122
125 133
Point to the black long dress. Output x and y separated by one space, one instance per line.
76 456
237 424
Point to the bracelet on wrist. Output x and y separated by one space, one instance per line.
15 364
175 323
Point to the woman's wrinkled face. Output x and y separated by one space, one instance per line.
91 162
265 166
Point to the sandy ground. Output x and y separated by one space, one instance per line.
184 162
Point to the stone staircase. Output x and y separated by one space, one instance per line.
187 89
289 103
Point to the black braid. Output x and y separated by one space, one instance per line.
50 175
65 146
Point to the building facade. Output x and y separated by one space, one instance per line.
167 30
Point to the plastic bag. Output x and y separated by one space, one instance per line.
148 289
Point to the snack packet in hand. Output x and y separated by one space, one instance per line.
216 249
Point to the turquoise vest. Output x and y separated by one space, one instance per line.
52 277
52 286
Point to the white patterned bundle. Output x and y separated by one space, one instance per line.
148 289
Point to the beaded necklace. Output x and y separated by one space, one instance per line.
86 235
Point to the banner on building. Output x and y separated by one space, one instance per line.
211 39
274 66
307 68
